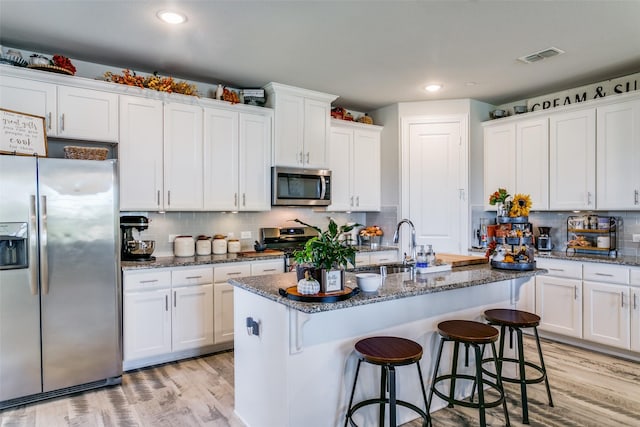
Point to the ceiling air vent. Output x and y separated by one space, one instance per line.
540 55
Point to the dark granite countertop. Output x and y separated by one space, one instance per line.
173 261
395 286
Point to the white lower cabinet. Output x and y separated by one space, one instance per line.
559 305
635 309
146 314
223 291
526 297
167 311
607 314
192 321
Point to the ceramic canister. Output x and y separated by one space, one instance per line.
203 246
183 246
219 245
233 246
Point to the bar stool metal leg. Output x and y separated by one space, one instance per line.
544 369
392 398
454 372
498 365
383 390
353 392
435 374
481 408
523 378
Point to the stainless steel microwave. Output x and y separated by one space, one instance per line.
300 187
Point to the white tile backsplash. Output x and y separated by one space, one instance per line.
162 225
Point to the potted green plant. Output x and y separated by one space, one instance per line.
326 256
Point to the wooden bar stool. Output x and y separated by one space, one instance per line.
516 320
388 352
472 334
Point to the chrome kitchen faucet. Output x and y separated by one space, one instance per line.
396 238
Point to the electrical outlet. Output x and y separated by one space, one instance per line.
172 237
245 234
636 238
231 235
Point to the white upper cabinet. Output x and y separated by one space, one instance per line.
516 157
31 97
572 160
69 112
301 126
354 160
532 161
220 159
183 178
499 160
237 157
317 115
140 154
255 152
618 150
87 114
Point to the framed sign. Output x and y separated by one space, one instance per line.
22 134
332 281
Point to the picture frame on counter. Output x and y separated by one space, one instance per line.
22 134
332 281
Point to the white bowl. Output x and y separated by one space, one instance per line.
368 282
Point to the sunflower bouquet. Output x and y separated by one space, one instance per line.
520 205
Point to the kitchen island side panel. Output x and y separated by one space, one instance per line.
300 370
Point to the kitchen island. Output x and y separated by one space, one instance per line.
297 368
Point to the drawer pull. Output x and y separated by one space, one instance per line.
149 281
635 197
575 291
194 277
234 273
166 303
622 299
269 269
604 274
174 298
555 269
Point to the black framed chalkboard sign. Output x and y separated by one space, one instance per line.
22 134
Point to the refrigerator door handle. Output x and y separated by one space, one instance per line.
44 262
33 245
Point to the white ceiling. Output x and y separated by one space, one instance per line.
371 53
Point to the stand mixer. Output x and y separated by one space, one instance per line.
134 249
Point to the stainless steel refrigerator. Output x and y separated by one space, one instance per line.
60 294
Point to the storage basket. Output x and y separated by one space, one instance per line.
85 153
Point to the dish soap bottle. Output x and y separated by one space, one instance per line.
421 260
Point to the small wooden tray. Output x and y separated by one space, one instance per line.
266 252
292 293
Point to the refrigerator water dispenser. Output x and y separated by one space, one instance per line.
14 240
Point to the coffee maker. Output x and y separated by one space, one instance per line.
544 240
134 249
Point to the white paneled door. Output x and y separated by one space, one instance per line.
437 184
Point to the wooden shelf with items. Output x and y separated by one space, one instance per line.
592 234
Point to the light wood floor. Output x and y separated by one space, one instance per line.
589 389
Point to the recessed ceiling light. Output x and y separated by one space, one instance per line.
171 17
470 83
433 87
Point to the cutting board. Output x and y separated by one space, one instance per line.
266 252
461 260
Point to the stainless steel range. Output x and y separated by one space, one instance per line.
288 240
